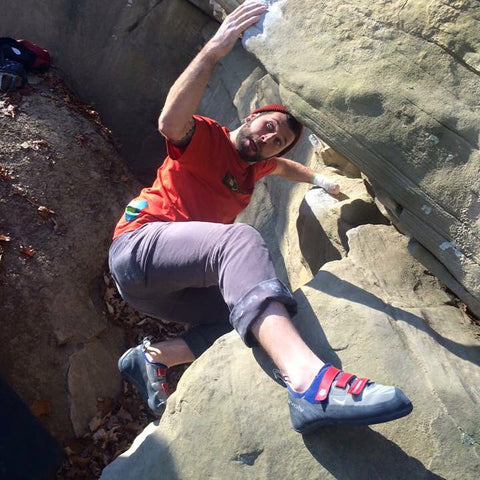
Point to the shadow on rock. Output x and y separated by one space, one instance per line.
332 285
361 453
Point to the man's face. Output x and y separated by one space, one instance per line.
263 136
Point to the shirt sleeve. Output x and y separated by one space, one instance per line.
264 168
200 139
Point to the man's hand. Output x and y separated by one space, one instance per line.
233 26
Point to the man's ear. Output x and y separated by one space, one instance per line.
250 117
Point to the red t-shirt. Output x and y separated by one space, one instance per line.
206 181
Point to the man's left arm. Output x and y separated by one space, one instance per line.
296 172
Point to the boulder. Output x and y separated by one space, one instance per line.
134 50
393 87
63 189
379 314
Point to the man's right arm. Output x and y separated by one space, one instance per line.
175 122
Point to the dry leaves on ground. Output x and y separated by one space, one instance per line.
118 421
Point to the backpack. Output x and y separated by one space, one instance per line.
12 75
42 60
10 49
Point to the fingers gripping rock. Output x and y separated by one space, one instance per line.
234 25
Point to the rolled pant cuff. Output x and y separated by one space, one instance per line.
253 304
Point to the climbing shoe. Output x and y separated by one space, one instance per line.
149 378
340 398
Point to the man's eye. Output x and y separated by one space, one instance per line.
277 142
270 126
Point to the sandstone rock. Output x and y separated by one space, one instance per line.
332 158
390 321
92 374
62 192
134 50
393 87
323 222
381 83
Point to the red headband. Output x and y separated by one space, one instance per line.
277 107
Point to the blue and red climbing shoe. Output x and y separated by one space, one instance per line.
149 378
340 398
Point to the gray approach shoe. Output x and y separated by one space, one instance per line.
149 378
340 398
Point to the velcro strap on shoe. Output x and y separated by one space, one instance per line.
343 379
358 385
326 384
166 389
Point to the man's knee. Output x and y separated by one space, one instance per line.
246 235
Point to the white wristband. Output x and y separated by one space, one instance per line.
331 187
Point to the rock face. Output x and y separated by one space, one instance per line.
132 49
62 191
393 86
391 322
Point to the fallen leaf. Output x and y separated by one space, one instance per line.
18 190
40 143
34 144
58 227
110 309
45 212
95 423
28 250
80 139
124 415
79 461
105 405
68 451
100 434
4 174
41 408
8 110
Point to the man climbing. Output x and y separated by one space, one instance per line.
177 254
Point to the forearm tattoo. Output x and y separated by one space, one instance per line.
185 140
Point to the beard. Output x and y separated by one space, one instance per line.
242 145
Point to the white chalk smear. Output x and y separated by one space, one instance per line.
314 140
266 22
426 209
432 138
446 245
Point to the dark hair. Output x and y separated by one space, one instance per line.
295 126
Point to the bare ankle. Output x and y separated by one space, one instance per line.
154 356
170 352
300 378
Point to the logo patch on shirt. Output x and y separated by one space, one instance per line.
230 182
133 209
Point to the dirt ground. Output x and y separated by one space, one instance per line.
59 167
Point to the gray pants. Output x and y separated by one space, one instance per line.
208 275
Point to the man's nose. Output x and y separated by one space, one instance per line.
267 136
